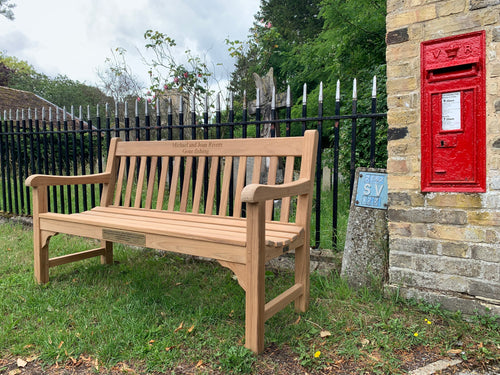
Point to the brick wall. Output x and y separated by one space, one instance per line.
444 247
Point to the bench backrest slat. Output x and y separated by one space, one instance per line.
288 177
202 176
228 166
240 184
162 182
214 166
199 184
151 182
174 182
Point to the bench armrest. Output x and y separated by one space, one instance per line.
258 192
37 180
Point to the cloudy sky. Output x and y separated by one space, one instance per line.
74 37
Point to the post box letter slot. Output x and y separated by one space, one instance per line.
453 72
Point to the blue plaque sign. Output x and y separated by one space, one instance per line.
372 190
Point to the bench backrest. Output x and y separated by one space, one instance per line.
203 176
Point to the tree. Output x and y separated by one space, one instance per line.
167 73
117 79
6 9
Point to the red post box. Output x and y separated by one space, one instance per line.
453 119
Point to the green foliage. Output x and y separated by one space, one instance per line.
166 73
6 9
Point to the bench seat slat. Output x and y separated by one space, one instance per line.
274 236
227 221
174 225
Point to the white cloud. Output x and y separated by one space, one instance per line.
74 37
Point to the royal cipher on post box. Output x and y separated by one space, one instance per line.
453 119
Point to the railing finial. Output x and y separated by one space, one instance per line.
374 87
354 90
320 96
337 92
304 94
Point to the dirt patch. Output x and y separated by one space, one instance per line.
274 361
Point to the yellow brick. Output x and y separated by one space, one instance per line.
404 52
400 85
446 8
402 183
397 166
449 232
409 17
488 218
402 117
454 200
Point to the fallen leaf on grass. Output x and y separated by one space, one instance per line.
324 334
180 327
21 362
60 344
168 348
14 372
199 364
297 321
191 329
454 351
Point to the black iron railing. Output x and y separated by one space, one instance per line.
39 141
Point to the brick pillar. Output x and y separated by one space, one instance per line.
444 247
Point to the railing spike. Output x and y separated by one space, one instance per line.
181 104
88 112
146 108
169 106
80 112
116 109
10 114
97 110
125 109
29 113
136 110
337 92
320 96
72 112
206 103
22 114
288 97
158 107
304 94
217 102
257 102
273 98
231 101
354 89
374 87
245 99
57 114
17 115
193 101
50 114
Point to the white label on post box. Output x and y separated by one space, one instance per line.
450 108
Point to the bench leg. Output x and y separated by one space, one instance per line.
302 270
41 254
255 278
107 258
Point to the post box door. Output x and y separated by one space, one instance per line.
453 114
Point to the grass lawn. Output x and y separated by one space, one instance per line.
158 312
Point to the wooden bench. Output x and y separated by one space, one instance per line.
140 207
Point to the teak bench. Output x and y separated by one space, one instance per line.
155 194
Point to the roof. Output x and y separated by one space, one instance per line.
13 102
